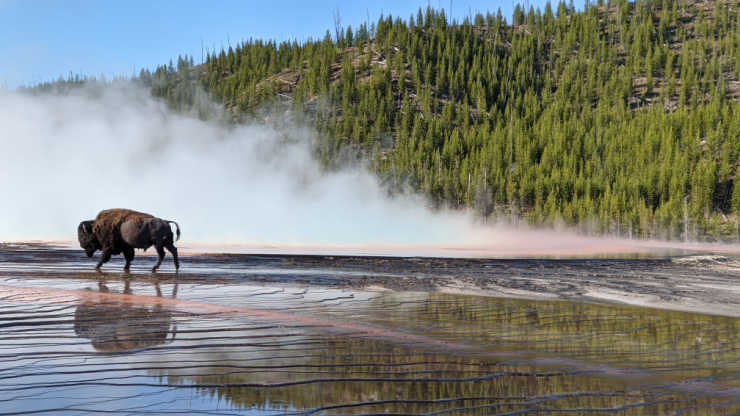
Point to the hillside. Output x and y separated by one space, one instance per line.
621 118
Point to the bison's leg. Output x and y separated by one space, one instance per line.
160 254
173 250
104 258
128 253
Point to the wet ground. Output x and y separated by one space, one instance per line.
276 334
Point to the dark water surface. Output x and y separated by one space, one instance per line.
275 335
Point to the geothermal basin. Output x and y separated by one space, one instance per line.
264 334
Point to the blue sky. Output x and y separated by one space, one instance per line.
43 39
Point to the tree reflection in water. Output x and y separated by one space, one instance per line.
540 357
237 350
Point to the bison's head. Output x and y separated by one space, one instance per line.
87 238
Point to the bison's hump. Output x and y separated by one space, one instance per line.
110 220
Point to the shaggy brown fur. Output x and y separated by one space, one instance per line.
111 219
116 231
107 225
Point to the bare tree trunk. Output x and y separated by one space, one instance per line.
685 220
337 24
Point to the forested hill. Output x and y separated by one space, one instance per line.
622 116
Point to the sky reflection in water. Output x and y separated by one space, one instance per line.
91 346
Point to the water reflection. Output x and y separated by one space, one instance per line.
405 353
500 355
119 325
620 335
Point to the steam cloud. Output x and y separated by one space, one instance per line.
64 158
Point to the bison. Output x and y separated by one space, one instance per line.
116 231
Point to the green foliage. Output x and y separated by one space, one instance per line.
622 117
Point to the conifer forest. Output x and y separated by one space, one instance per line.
619 117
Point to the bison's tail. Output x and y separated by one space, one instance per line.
178 229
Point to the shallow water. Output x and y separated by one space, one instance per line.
275 335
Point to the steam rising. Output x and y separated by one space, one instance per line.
64 158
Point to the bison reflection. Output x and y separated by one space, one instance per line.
122 326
